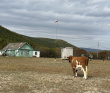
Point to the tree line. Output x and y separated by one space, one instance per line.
95 55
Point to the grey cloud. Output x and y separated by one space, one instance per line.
78 20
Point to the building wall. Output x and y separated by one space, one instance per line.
0 53
66 52
24 53
9 53
36 53
19 53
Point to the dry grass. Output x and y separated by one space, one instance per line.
45 75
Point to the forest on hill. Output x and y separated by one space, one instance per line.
45 45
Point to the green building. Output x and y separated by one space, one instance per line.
22 49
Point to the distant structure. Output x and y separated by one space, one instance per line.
22 49
0 52
66 52
36 53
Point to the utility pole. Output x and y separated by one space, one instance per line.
97 50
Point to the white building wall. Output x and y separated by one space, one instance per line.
66 52
0 53
36 53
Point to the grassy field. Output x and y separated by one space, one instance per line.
45 75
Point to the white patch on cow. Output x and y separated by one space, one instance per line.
76 62
84 73
76 74
78 66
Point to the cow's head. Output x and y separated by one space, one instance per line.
70 59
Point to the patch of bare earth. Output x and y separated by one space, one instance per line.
49 76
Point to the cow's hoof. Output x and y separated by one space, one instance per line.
84 78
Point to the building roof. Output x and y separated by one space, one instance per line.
13 46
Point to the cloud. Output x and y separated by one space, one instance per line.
96 1
79 21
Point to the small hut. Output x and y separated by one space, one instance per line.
36 53
66 52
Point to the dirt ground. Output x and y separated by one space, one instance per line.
47 75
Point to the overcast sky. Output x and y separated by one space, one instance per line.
80 22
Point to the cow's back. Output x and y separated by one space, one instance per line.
80 60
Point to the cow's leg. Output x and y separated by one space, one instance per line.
84 71
73 68
73 72
76 73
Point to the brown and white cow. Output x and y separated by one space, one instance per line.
79 62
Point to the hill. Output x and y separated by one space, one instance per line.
91 49
7 36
